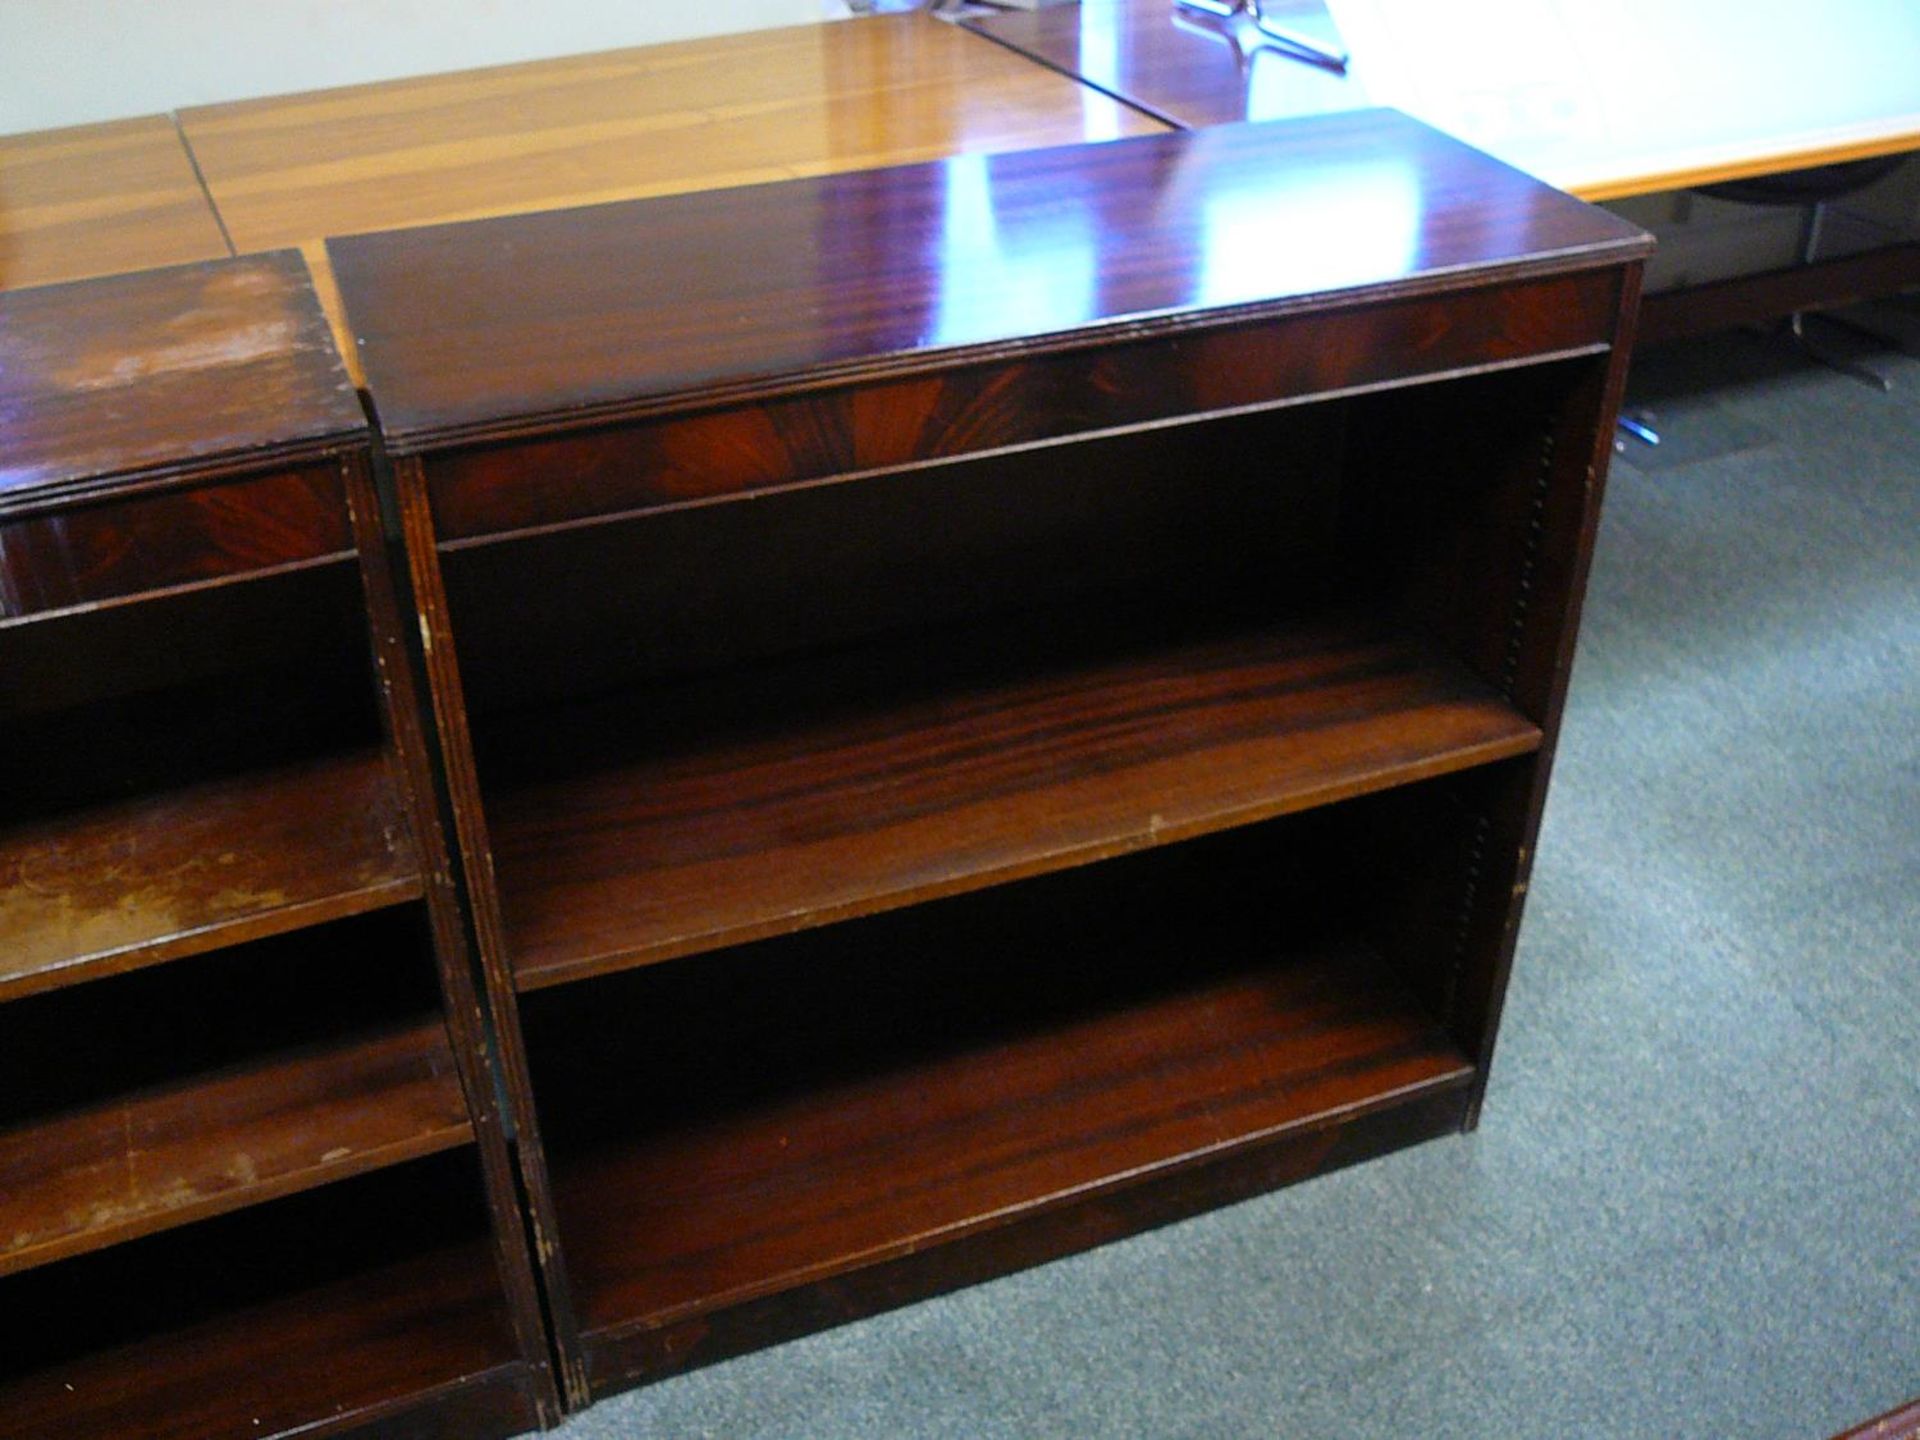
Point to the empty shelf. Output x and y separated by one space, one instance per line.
87 1179
118 887
717 813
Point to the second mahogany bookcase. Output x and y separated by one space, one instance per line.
991 704
253 1175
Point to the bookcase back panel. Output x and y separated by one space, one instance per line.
185 688
88 1043
1473 540
1176 521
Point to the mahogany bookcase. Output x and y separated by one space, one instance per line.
991 704
253 1175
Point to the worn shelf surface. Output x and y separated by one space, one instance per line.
163 371
174 874
307 1316
811 791
182 1152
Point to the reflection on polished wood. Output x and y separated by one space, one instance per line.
686 116
1602 100
98 199
162 370
1188 68
574 314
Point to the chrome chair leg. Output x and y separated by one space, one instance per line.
1840 364
1797 322
1638 424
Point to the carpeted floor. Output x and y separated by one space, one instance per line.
1693 1206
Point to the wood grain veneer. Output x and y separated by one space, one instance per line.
74 559
116 384
651 843
174 874
685 116
1051 1045
479 494
98 200
207 1145
615 311
214 758
741 1205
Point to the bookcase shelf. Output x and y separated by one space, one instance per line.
723 810
1093 779
202 1146
960 1066
179 872
371 1301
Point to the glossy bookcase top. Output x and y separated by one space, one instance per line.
495 326
173 369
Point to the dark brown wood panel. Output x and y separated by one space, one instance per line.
725 812
102 381
373 1301
494 326
187 871
362 1358
503 1402
983 408
76 556
1751 299
209 1144
620 1357
1900 1424
742 1199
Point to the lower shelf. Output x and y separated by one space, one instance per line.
374 1298
731 1127
188 1150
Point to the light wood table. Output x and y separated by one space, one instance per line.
1606 101
688 116
99 199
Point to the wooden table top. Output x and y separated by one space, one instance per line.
98 199
687 116
694 115
1603 100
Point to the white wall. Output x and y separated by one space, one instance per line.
65 62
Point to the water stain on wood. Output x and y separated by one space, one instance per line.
112 376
